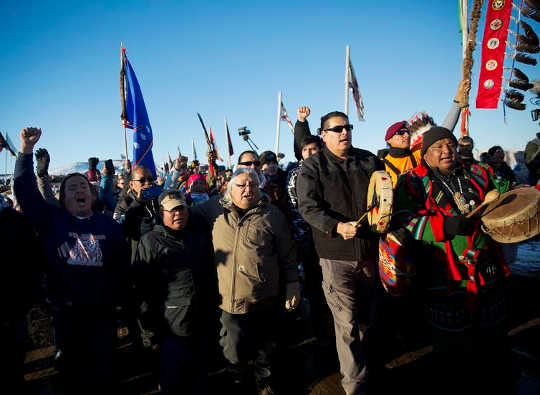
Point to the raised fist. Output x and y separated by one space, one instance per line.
29 138
302 113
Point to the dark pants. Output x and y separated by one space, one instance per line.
349 288
250 336
183 365
87 342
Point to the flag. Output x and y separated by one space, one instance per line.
193 152
493 52
136 118
5 142
215 146
229 143
284 117
357 96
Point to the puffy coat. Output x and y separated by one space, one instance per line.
254 254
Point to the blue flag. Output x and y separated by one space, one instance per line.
137 119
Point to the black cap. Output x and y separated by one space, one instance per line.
434 134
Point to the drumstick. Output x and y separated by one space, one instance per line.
357 223
490 197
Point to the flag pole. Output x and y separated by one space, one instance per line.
228 164
347 54
278 122
123 93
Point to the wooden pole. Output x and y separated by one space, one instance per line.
347 60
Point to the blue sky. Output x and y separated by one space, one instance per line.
60 70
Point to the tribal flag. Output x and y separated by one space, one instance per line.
493 52
229 143
284 117
134 116
215 146
357 96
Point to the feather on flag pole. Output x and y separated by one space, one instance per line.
352 83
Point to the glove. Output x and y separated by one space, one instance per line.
292 295
458 225
43 159
109 167
92 163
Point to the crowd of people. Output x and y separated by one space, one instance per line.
189 260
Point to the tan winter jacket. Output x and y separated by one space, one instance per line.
254 255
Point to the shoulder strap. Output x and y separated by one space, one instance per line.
392 167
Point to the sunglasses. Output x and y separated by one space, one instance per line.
255 163
145 179
339 128
402 132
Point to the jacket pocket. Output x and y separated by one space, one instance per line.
179 316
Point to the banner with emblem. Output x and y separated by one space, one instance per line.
493 48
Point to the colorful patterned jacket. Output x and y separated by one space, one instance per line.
448 263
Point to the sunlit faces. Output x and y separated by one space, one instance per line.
249 160
78 196
177 218
442 155
337 142
245 190
310 149
401 139
141 179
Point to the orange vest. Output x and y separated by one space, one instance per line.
396 166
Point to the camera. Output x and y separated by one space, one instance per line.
244 132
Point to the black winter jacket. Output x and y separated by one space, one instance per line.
332 190
175 279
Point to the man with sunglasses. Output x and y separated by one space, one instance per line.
137 212
332 192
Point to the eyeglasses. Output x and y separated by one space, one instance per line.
339 128
402 132
143 180
255 163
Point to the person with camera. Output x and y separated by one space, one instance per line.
138 210
87 269
175 283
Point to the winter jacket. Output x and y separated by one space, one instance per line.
137 217
332 190
87 263
254 254
174 278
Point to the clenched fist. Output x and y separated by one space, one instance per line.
302 113
29 138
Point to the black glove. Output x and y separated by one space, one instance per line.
458 225
110 167
42 162
92 163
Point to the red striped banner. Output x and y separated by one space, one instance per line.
493 47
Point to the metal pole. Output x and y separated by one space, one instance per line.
278 122
347 52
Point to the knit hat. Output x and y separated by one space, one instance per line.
434 134
267 157
394 129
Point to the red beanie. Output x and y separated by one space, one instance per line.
394 129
